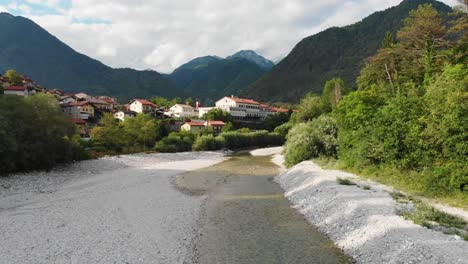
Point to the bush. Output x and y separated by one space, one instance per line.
206 143
283 130
176 142
311 140
35 134
236 140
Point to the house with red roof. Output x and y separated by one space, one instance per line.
217 126
246 110
195 127
141 106
16 90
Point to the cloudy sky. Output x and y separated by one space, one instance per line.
163 34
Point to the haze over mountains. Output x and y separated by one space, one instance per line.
335 52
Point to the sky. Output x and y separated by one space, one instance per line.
164 34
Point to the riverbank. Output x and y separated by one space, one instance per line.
362 218
121 209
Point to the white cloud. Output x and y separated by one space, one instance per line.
162 35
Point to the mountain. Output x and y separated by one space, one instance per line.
31 50
251 56
335 52
210 78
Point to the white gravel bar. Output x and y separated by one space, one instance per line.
363 222
112 210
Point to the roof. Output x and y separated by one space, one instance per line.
145 102
280 110
15 88
80 103
216 123
108 100
183 105
243 100
194 124
96 101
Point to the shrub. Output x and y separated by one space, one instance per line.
205 143
311 140
176 142
235 140
283 130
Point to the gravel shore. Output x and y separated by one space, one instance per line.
112 210
364 222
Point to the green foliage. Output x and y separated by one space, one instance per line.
311 107
311 140
164 102
283 130
211 78
333 93
207 143
35 134
176 142
277 119
237 140
218 115
228 127
335 52
13 77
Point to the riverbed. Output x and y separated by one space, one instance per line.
247 219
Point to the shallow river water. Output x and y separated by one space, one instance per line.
247 219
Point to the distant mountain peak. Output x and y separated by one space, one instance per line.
252 56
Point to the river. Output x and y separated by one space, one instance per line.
247 219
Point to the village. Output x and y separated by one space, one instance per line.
86 110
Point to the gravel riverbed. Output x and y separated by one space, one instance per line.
363 222
112 210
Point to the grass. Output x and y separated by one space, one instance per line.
345 181
407 181
428 216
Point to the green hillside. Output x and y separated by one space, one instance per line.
30 50
335 52
210 78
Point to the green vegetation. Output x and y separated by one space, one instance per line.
176 142
344 181
13 77
211 78
407 124
218 115
35 134
133 134
425 215
335 52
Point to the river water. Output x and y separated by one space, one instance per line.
247 219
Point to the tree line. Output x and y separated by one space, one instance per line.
407 123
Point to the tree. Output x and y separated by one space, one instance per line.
108 133
142 130
228 127
388 41
14 77
333 92
422 36
311 107
218 115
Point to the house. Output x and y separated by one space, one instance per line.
82 96
141 106
194 127
112 103
216 125
85 108
66 99
122 115
246 110
183 110
16 90
99 104
204 110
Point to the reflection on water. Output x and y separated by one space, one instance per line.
248 220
